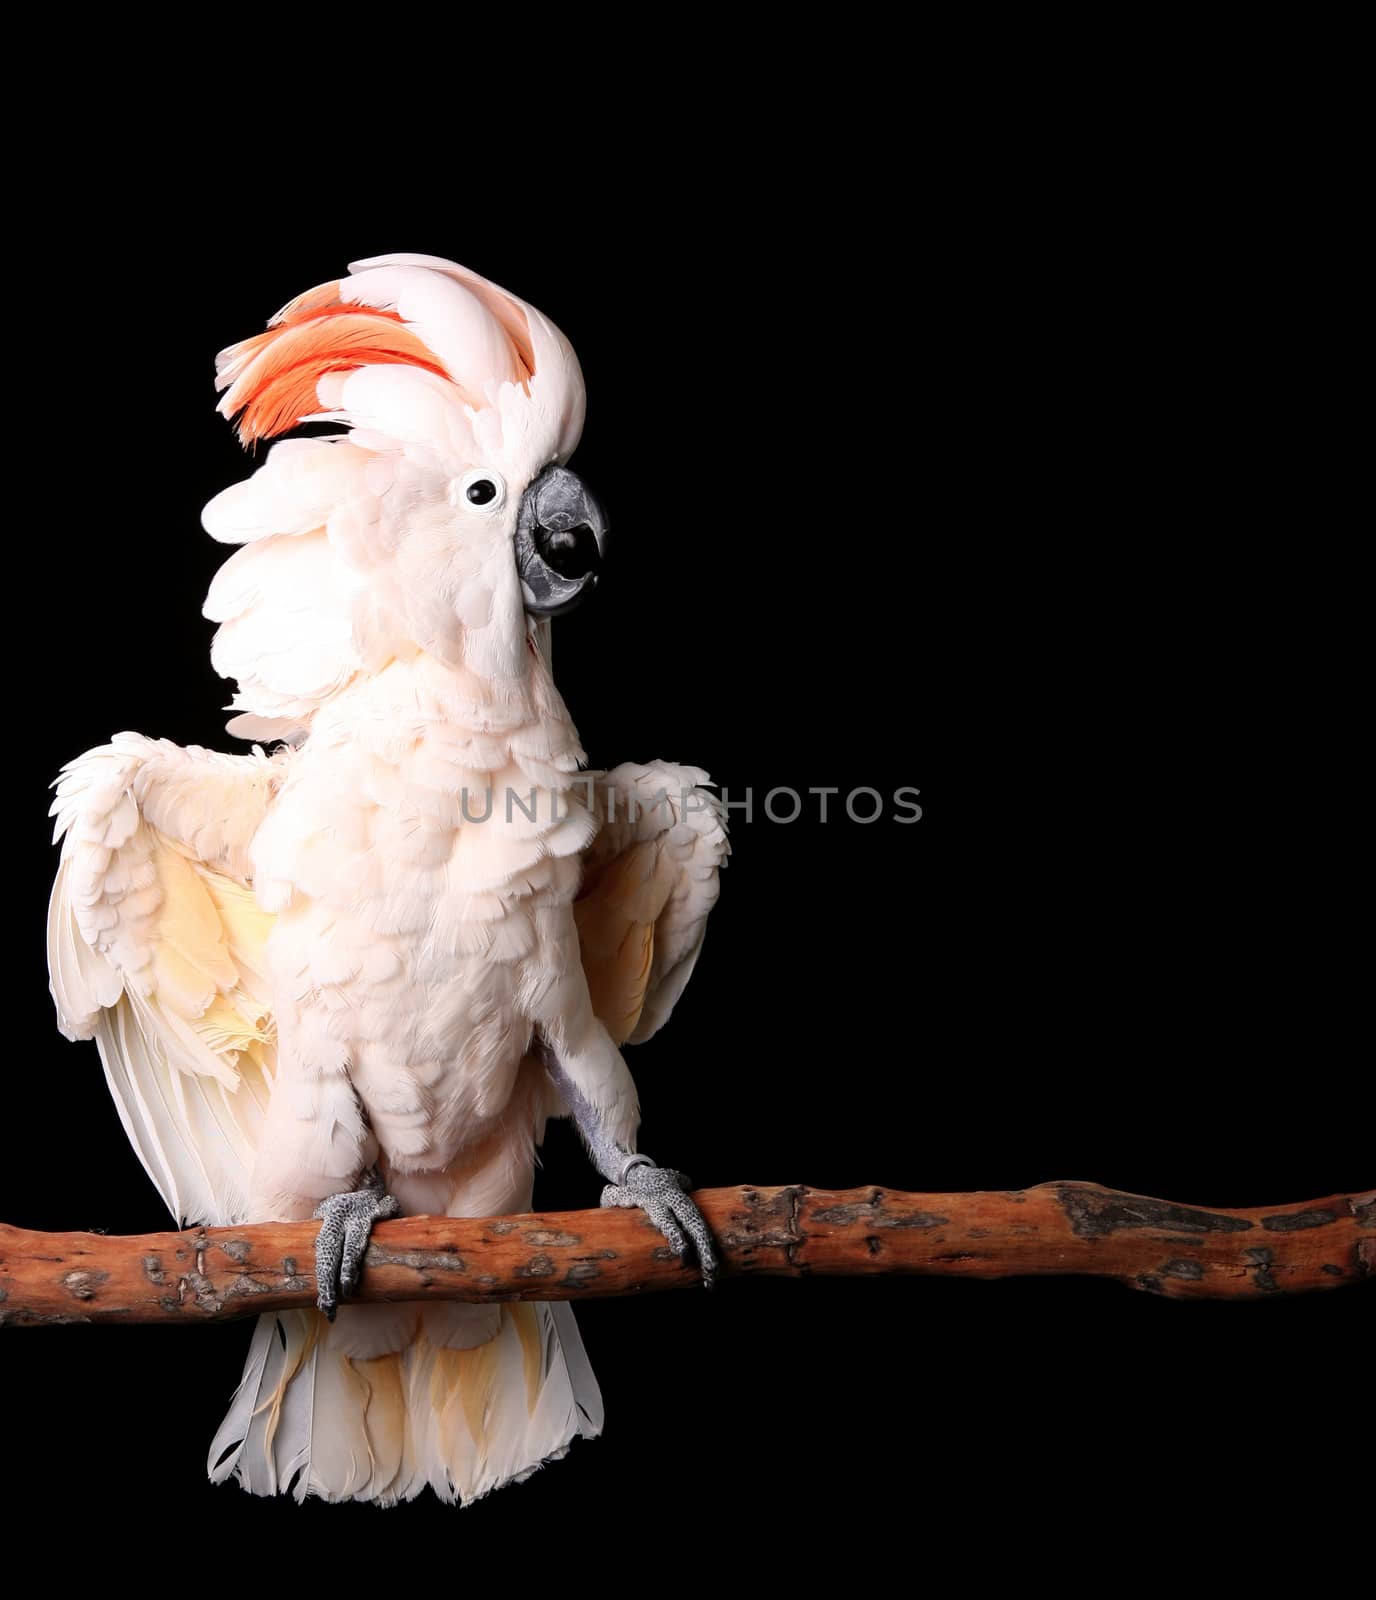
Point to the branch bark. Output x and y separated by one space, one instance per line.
1185 1252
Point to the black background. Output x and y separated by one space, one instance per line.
1004 470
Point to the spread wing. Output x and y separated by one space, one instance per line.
155 950
650 877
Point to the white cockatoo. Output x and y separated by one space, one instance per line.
356 976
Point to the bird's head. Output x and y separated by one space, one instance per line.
444 520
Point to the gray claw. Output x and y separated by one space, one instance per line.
661 1193
345 1223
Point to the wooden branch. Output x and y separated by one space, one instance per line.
214 1274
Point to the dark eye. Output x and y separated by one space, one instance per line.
481 487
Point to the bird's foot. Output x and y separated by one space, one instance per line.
662 1194
345 1223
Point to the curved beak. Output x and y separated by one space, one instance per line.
561 534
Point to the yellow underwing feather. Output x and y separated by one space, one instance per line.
650 879
161 958
616 915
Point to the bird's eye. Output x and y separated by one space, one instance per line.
482 488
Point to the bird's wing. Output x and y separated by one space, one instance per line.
649 880
156 950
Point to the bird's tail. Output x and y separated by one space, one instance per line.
389 1398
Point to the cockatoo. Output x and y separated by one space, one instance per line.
355 976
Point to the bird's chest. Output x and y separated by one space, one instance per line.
422 892
421 914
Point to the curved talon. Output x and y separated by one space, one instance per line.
346 1220
661 1193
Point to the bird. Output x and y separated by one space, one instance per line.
353 973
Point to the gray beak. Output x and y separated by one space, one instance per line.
561 533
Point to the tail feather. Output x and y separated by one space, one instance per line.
376 1407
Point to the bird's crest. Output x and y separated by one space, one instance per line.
272 379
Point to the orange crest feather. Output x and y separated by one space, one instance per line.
272 377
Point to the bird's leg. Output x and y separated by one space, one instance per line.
345 1223
635 1180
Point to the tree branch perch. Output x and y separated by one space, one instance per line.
1185 1252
